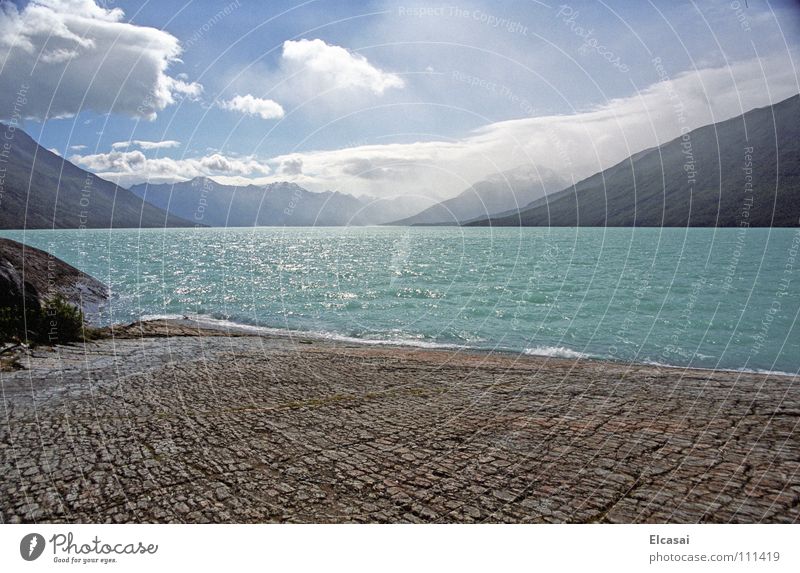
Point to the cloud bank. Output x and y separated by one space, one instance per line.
126 168
574 145
73 55
146 145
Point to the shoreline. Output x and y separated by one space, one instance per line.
195 425
218 327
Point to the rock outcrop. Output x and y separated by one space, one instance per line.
216 429
30 278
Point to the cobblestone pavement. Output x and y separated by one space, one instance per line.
248 429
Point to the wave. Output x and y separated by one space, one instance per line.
738 370
398 338
215 323
148 317
556 352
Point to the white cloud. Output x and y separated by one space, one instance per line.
71 55
77 147
321 67
165 144
146 145
191 90
574 146
291 166
129 167
250 105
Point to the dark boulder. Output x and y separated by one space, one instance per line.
34 285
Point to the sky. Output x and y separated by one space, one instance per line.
383 98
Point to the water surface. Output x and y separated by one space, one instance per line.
722 298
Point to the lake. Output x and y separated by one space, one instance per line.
716 298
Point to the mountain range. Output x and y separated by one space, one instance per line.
283 203
42 190
742 171
504 191
739 172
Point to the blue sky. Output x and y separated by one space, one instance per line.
382 97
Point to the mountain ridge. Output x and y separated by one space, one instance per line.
691 180
273 204
503 192
42 190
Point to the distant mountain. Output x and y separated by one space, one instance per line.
40 190
283 203
503 192
745 170
381 211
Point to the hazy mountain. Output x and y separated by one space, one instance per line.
745 169
204 200
41 190
499 193
381 211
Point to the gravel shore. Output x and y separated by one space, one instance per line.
167 422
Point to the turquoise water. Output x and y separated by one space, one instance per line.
699 297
